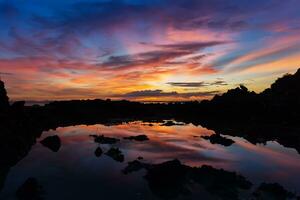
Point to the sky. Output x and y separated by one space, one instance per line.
145 50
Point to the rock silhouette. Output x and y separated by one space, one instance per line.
272 191
218 139
101 139
115 154
30 190
134 166
52 142
137 138
98 152
171 179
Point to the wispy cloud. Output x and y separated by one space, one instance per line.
198 84
165 55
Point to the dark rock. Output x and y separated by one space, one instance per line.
218 139
93 135
272 191
133 166
52 142
98 152
172 179
115 154
220 183
30 190
137 138
168 180
140 158
101 139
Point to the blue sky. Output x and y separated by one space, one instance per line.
145 50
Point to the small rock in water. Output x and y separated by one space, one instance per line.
133 166
137 138
30 190
101 139
218 139
115 154
98 152
52 142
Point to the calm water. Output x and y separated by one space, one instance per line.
74 172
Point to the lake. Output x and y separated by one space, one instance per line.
75 172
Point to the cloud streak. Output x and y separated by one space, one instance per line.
198 84
165 55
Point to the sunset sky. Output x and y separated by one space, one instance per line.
145 50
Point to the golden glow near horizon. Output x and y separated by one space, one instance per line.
140 51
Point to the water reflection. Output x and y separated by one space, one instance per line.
88 167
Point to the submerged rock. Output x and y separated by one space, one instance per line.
168 180
98 152
218 139
133 166
30 190
115 154
52 142
101 139
172 179
137 138
220 183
